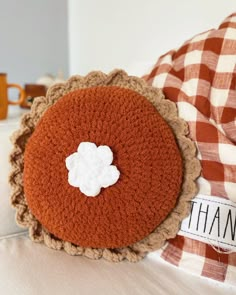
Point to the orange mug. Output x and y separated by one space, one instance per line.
4 101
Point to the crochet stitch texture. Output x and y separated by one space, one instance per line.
130 246
90 168
145 152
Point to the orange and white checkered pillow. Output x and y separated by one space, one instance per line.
201 78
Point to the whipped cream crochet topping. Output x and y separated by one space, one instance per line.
90 168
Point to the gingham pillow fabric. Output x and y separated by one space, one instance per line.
201 78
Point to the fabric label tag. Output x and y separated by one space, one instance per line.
212 220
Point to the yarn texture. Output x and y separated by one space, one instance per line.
90 168
144 149
156 160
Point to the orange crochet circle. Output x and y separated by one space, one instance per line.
145 152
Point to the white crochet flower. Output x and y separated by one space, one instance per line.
90 168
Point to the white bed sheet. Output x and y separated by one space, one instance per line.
27 268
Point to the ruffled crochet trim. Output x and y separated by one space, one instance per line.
167 109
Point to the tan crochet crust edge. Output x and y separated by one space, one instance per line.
168 228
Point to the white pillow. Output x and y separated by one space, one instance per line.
7 213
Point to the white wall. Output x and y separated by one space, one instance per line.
106 34
33 38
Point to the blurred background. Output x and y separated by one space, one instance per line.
33 39
77 36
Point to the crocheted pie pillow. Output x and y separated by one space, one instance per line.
102 167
